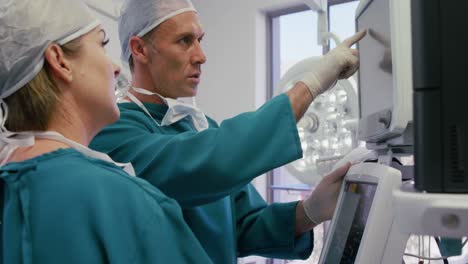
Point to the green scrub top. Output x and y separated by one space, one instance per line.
64 207
209 172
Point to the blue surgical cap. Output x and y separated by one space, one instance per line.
27 28
138 17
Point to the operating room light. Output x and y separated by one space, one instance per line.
327 130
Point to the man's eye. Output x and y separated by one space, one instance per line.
185 40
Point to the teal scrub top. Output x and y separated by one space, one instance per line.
64 207
209 172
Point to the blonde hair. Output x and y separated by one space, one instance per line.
32 106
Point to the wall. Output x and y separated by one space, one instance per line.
235 75
236 78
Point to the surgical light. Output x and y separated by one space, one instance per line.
121 86
328 129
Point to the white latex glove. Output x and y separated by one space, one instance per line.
320 205
340 63
357 155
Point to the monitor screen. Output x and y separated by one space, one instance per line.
346 235
375 72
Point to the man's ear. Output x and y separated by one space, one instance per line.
59 65
139 50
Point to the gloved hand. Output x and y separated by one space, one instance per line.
320 205
340 63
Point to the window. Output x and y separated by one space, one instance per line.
294 36
341 18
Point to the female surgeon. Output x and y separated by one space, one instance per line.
62 202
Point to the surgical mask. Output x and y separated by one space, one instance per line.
177 110
10 141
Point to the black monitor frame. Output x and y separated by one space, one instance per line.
440 62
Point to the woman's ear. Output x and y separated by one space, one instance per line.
139 50
59 64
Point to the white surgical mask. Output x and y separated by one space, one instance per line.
10 141
176 111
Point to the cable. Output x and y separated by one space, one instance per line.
439 258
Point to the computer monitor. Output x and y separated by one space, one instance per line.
439 69
385 81
363 216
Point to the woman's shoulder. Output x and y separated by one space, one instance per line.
75 179
71 170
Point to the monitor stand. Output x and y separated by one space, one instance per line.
417 212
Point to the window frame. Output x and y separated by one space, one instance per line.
274 76
274 62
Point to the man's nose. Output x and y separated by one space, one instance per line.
199 56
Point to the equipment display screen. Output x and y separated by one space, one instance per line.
356 203
375 72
